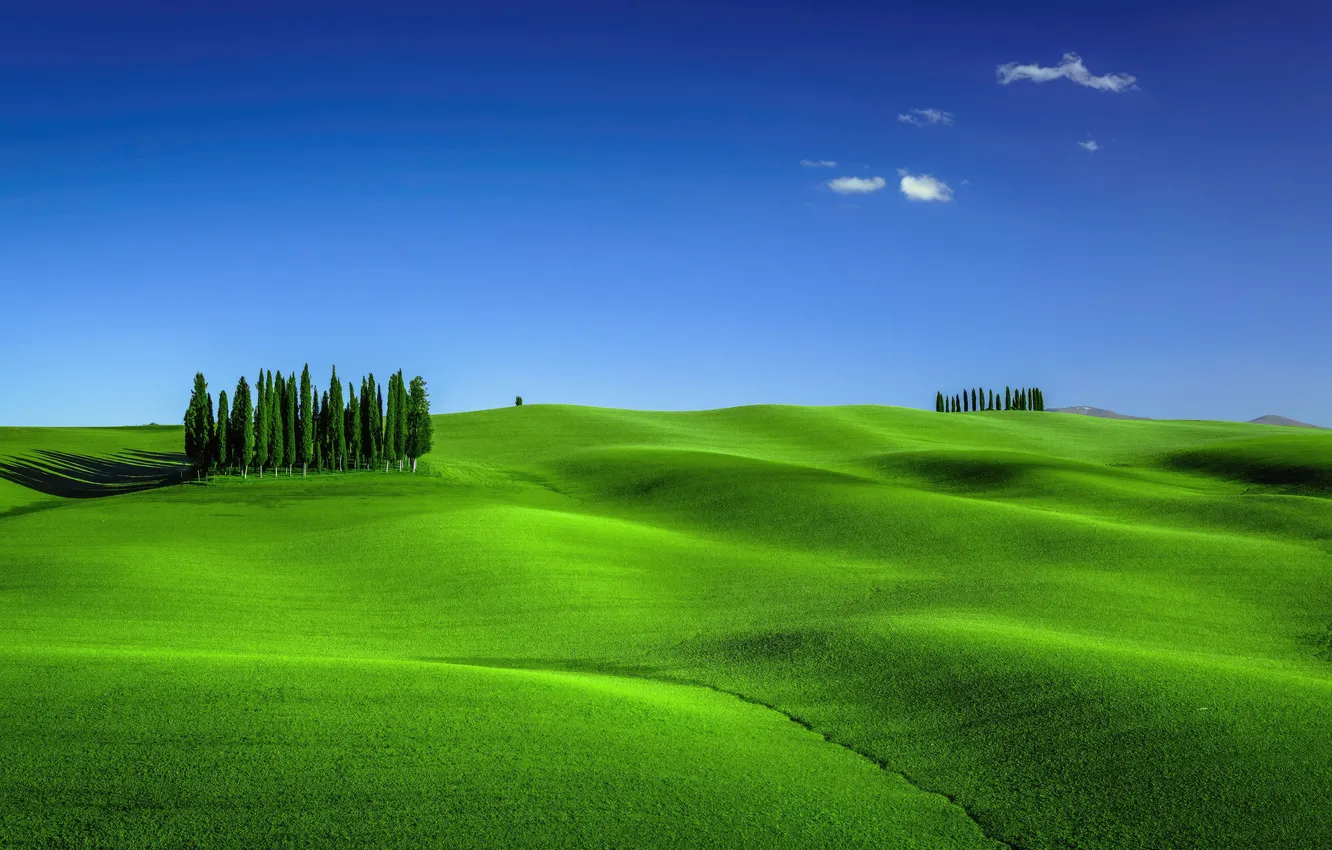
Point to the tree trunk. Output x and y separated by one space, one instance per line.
303 468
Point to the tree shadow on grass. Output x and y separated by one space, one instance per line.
85 477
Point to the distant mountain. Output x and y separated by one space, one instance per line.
1272 419
1101 412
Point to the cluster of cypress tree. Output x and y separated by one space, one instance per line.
285 423
1024 398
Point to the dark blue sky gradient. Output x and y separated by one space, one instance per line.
604 204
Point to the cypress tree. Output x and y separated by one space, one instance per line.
974 406
964 401
351 417
989 405
364 422
379 417
325 433
289 424
222 442
400 425
305 424
316 437
957 403
261 428
196 424
1008 398
211 428
274 419
938 402
420 429
389 413
242 418
337 433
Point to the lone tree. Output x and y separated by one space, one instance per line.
517 401
420 430
197 414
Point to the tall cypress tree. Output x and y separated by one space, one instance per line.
314 456
222 441
243 430
211 427
325 431
373 437
379 417
400 437
273 391
391 421
363 423
196 424
964 401
420 428
938 402
261 428
289 423
337 434
305 423
1008 398
957 403
974 406
351 417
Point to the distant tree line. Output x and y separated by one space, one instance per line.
284 423
1024 398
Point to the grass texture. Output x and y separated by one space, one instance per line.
763 626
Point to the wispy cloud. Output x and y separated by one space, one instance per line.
818 163
856 185
925 117
1070 69
1089 145
923 187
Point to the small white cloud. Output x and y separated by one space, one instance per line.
923 187
924 117
1070 69
818 163
1089 145
856 185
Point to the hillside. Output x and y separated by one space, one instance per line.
762 626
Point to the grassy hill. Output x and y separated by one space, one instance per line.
761 626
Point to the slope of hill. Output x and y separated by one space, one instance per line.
1099 412
1273 419
595 627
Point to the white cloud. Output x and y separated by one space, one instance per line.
923 187
856 185
818 163
1070 69
923 117
1089 145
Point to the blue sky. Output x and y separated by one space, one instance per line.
598 204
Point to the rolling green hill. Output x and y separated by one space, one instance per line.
762 626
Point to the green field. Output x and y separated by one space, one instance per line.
761 626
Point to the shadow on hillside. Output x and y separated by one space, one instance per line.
84 477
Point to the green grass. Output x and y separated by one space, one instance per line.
944 631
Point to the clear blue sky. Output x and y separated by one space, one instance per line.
606 204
